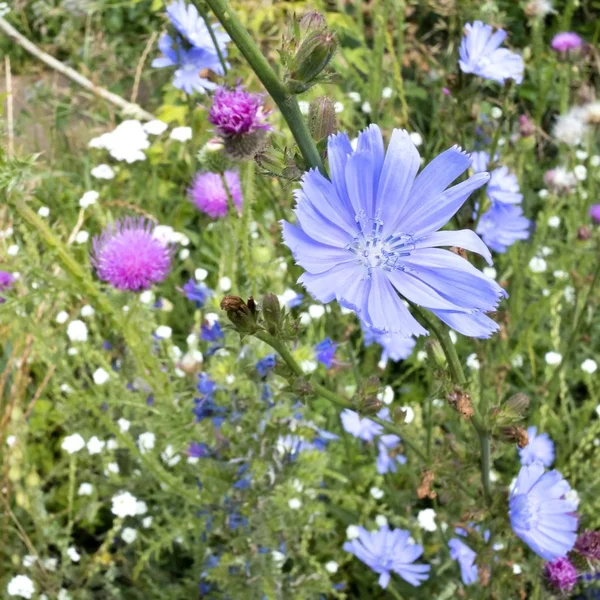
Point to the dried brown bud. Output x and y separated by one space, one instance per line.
240 313
584 233
461 402
515 434
484 575
424 490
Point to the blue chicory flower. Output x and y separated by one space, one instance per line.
295 301
292 445
460 552
389 551
325 352
362 428
197 292
395 346
480 54
388 458
372 231
540 448
265 365
503 225
540 513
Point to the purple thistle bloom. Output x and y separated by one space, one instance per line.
388 458
503 225
237 112
389 551
129 257
209 194
373 230
595 212
540 448
6 282
189 64
325 352
565 41
588 545
191 26
460 552
480 54
561 574
362 428
540 514
197 292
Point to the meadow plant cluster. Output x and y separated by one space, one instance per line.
324 327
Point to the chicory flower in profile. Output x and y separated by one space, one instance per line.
565 41
465 557
129 257
325 352
541 513
197 292
372 231
480 54
209 195
389 551
362 428
540 448
503 225
6 282
389 457
395 346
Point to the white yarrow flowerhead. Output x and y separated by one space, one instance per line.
77 331
163 332
124 504
124 425
589 365
377 493
21 586
155 127
181 134
225 284
571 128
85 489
87 311
100 376
95 445
129 535
580 172
331 567
426 519
554 222
552 358
146 441
103 171
73 443
352 532
62 317
82 237
537 264
88 198
73 554
386 93
44 212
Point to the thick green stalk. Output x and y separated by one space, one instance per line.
286 101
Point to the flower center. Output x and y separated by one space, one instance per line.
373 251
525 512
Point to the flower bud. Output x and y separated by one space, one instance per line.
322 120
212 157
371 405
515 434
584 233
312 21
245 146
271 312
424 489
243 315
313 56
302 387
435 353
526 127
461 402
518 404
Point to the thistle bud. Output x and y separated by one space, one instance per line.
312 21
313 56
271 311
243 315
584 233
322 120
212 157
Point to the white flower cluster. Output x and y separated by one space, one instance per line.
125 142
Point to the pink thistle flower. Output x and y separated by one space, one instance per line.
209 195
567 40
6 282
237 112
561 574
595 212
588 545
129 257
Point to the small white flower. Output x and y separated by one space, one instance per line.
573 496
73 554
581 154
496 112
29 560
163 233
63 594
559 274
50 564
22 586
112 444
517 569
184 254
595 161
426 519
381 520
129 535
517 361
13 250
490 272
305 319
354 96
169 456
124 425
569 294
124 505
294 503
580 172
416 138
421 355
82 237
95 445
225 284
155 127
366 107
278 558
409 414
304 107
147 297
77 331
537 264
387 395
546 250
554 222
103 171
552 358
146 522
86 311
44 212
352 532
200 274
181 134
10 441
146 441
386 93
338 107
73 443
589 365
163 332
452 335
570 128
88 198
141 508
308 366
72 352
100 376
85 489
331 567
316 311
113 468
377 493
543 193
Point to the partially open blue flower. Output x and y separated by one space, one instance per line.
372 232
362 427
197 292
540 448
389 456
395 346
460 552
325 352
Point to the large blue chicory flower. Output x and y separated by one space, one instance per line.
389 551
480 54
465 557
503 225
540 513
372 231
540 448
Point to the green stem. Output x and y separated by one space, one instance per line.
286 101
213 37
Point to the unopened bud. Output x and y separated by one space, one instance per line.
435 353
322 120
243 315
526 127
212 157
518 404
371 405
312 21
584 233
244 147
461 402
271 312
312 58
302 387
